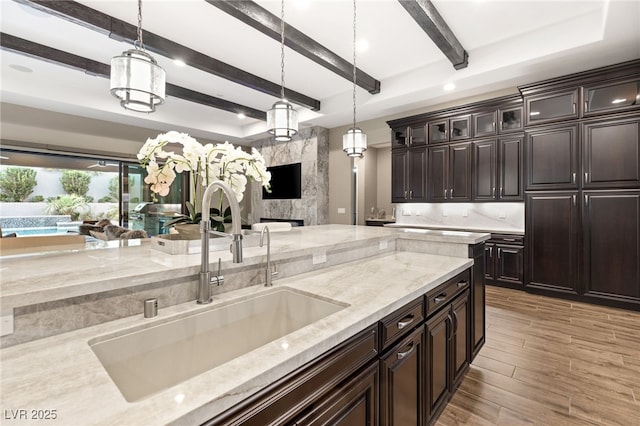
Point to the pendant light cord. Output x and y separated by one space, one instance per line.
282 50
354 64
138 44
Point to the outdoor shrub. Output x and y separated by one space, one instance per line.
114 188
71 204
16 183
36 199
75 182
88 198
106 199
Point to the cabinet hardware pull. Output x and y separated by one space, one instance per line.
462 284
445 194
440 298
451 193
573 178
574 199
500 124
586 106
450 329
586 177
407 352
586 199
405 195
499 252
491 251
411 194
493 192
494 125
405 322
509 239
573 108
501 191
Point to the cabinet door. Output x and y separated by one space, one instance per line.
611 97
484 170
401 384
509 265
438 334
551 228
399 137
399 167
352 403
439 131
611 244
417 174
418 135
461 351
484 124
510 173
550 107
611 154
552 158
460 128
489 263
460 172
437 169
510 120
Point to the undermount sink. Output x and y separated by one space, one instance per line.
149 360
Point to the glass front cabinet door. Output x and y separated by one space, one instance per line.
547 107
611 97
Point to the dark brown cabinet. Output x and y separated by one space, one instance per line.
409 136
450 129
484 123
497 169
448 352
552 106
611 245
552 158
449 172
504 261
503 120
617 96
408 175
551 229
611 153
401 382
510 120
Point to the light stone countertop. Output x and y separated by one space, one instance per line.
62 373
28 280
436 228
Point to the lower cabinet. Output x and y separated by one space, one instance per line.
448 353
400 371
504 261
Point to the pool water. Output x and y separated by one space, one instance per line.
21 232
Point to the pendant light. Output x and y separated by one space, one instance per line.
136 78
282 119
354 142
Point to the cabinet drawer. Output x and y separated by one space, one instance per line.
516 240
444 294
401 322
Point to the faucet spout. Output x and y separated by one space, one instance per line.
205 280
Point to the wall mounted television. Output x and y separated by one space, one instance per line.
285 182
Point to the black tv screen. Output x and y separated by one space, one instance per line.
285 182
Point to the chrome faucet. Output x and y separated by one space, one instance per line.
268 273
205 278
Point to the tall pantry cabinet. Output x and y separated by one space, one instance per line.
582 182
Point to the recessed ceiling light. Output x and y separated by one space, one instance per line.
20 68
362 45
618 101
449 87
179 62
241 116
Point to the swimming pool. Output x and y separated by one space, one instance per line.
49 230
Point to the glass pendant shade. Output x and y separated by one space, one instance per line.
354 142
282 121
137 80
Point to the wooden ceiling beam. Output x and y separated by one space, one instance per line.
89 66
123 31
269 24
429 19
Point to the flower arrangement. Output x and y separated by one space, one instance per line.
204 163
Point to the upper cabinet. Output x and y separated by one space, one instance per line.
611 97
408 136
503 120
451 129
550 107
552 158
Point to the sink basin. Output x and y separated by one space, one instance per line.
149 360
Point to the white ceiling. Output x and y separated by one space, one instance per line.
509 43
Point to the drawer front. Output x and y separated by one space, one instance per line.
401 322
445 293
516 240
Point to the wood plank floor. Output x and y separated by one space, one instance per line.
551 362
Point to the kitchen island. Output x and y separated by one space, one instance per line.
62 374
